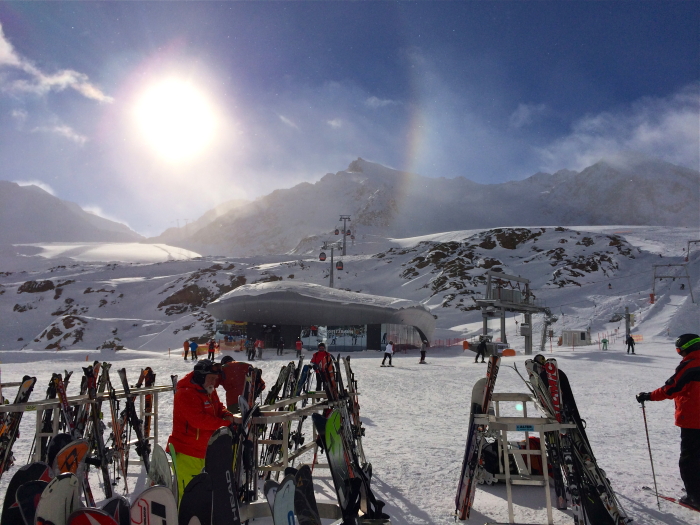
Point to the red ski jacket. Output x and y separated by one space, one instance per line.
196 415
233 381
320 358
684 388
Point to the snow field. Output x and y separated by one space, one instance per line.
416 424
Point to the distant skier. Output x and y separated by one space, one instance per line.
193 350
280 346
605 344
423 348
684 388
319 361
212 349
186 346
250 348
299 346
259 344
480 350
630 343
388 352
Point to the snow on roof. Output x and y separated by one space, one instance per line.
306 304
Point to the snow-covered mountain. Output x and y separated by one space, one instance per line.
71 304
29 214
625 189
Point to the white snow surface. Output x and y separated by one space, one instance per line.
127 252
416 424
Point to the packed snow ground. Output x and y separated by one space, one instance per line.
416 424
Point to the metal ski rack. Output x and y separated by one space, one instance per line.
41 406
500 426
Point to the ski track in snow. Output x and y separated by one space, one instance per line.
416 424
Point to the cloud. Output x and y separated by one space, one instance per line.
335 123
666 128
288 122
374 102
63 131
96 210
525 114
19 115
30 79
38 183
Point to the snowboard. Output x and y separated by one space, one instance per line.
270 490
197 501
118 507
283 508
154 506
58 501
160 473
10 509
305 506
70 457
91 516
176 487
27 497
218 463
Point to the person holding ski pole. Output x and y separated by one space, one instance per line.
684 388
197 413
388 352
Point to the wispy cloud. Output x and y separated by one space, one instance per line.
375 102
30 79
662 127
38 183
288 122
63 131
526 114
335 123
19 115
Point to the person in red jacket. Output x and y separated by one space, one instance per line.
299 346
684 388
320 360
233 380
197 413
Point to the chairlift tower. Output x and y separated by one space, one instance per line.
345 219
660 276
330 246
498 300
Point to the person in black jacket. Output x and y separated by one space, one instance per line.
480 351
630 343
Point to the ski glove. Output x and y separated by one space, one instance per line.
643 396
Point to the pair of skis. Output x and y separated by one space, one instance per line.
293 497
481 399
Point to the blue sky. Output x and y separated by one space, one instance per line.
491 91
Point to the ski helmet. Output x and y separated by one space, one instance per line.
539 359
321 346
226 359
688 343
203 368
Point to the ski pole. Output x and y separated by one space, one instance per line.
653 474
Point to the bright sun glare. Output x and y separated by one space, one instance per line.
175 119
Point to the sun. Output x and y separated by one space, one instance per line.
176 120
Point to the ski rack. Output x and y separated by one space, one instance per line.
500 426
43 405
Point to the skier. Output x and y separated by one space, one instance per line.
193 350
630 343
319 360
186 346
388 352
250 348
280 346
197 413
233 381
605 344
684 388
299 346
423 347
481 350
259 345
212 349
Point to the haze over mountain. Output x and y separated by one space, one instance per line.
629 189
28 214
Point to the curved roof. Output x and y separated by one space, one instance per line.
312 304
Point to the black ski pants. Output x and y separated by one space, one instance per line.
386 354
422 356
479 352
210 355
689 462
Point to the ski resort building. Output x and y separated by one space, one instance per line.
576 338
344 320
